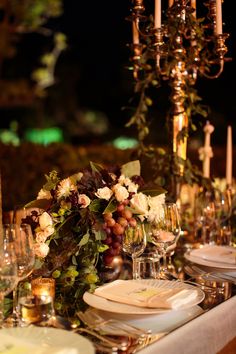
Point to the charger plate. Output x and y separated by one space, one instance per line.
101 303
43 340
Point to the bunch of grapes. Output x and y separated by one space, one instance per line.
114 225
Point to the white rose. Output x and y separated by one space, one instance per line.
121 193
139 202
41 249
156 211
84 200
132 187
45 220
43 194
104 193
40 236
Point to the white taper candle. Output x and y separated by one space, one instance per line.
218 28
229 156
157 17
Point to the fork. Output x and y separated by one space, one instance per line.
216 275
95 321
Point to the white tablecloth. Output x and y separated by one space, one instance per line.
206 334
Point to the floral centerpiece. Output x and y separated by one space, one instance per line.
79 223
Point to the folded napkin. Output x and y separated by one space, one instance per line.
141 295
220 254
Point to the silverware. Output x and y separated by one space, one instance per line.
95 321
197 271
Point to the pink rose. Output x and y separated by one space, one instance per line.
84 200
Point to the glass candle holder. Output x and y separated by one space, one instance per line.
43 287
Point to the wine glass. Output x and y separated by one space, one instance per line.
205 217
165 232
223 211
134 243
8 273
22 237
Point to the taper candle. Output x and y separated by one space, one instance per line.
194 6
157 17
135 34
218 27
229 156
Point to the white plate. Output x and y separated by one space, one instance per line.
157 323
117 307
208 263
42 340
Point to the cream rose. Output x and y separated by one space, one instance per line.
120 192
40 237
139 203
41 249
84 200
104 193
45 220
156 210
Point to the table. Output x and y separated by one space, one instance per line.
206 334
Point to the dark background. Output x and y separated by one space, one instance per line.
92 75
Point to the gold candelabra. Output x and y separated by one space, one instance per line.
178 46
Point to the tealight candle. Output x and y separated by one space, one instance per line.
43 287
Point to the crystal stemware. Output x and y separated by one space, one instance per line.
134 243
22 238
165 232
8 274
205 217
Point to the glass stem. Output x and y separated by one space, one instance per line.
164 266
15 302
1 309
134 268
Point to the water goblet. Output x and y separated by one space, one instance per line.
8 274
22 237
223 211
165 232
134 243
204 215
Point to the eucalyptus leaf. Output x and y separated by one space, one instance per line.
96 205
38 203
96 167
74 261
102 248
154 192
111 207
84 240
131 169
